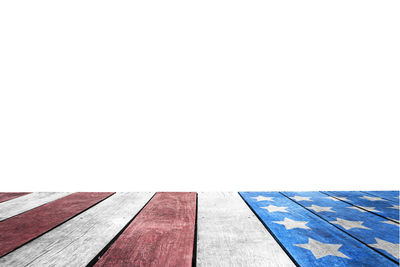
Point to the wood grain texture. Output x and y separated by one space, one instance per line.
24 203
7 196
364 226
310 240
229 234
24 227
389 195
161 235
77 241
382 207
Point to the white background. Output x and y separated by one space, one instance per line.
199 95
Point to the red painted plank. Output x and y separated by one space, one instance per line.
8 196
161 235
26 226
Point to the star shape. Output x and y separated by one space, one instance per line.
372 198
319 208
320 250
272 208
396 207
290 224
391 248
262 198
299 198
346 224
364 209
391 222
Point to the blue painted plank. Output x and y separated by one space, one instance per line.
375 205
310 240
365 226
389 195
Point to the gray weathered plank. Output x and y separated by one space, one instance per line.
77 241
24 203
229 234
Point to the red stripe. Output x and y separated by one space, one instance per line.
8 196
24 227
161 235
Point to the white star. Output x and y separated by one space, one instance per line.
262 198
372 198
299 198
320 250
391 222
391 248
290 224
272 208
364 209
349 224
396 207
319 208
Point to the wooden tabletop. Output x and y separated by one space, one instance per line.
330 228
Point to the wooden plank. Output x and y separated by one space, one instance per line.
78 241
24 203
161 235
229 234
310 240
389 195
11 195
365 226
24 227
365 202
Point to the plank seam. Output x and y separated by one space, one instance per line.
56 225
101 253
362 208
271 233
194 256
340 229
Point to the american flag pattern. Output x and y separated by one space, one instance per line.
316 228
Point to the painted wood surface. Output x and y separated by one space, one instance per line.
389 195
24 227
310 240
11 195
161 235
79 240
24 203
365 226
379 206
229 234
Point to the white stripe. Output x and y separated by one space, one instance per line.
229 234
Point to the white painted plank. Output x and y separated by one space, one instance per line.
24 203
77 241
229 234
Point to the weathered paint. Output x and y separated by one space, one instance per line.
364 226
310 240
230 235
22 204
26 226
382 207
78 241
161 235
8 196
